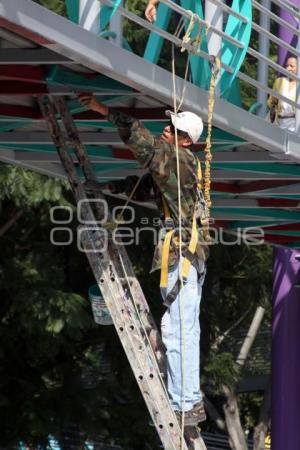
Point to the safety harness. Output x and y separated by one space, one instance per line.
190 252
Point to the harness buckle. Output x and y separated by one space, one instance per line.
169 224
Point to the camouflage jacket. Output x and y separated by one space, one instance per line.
160 159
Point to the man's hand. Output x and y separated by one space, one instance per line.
150 12
92 103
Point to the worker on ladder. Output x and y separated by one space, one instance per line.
181 284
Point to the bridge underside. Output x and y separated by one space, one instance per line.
255 169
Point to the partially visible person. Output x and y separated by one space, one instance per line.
283 113
150 11
268 442
58 6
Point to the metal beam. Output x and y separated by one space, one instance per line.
278 202
22 88
78 44
268 213
31 56
46 157
43 137
109 138
101 138
281 239
288 189
15 39
243 220
25 73
253 203
285 227
139 113
240 157
273 168
50 169
49 157
261 186
230 157
20 111
27 112
56 170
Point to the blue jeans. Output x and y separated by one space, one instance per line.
187 305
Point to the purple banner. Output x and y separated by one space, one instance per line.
286 350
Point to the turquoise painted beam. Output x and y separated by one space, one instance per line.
154 127
220 147
107 12
108 34
200 69
260 212
73 10
158 126
253 108
155 42
283 233
30 147
233 94
231 55
268 168
127 46
256 224
221 195
60 76
222 135
92 150
270 195
13 125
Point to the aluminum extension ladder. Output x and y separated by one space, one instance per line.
115 277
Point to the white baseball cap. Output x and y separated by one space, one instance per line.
189 122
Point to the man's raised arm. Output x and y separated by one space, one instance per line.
131 131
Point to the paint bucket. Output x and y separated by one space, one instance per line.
100 311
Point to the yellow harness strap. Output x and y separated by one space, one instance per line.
165 259
166 249
199 175
186 264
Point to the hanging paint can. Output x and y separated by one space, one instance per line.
100 311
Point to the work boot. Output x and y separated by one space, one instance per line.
193 416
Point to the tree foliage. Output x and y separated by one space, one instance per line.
52 372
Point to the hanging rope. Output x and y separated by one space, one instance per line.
207 180
216 64
180 249
197 40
